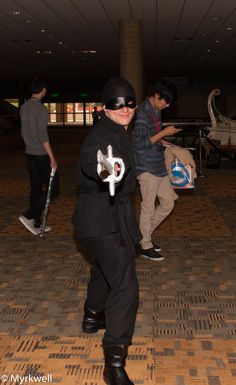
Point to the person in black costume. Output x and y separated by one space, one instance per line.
107 228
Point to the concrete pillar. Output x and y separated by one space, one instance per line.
131 54
59 112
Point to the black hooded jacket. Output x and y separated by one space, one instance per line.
97 213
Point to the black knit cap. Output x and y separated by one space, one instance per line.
117 87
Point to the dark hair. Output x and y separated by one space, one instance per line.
37 85
166 89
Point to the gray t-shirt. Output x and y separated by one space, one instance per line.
34 122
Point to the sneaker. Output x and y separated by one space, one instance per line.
151 254
29 224
38 227
46 229
156 246
37 230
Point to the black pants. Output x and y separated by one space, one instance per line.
113 286
39 173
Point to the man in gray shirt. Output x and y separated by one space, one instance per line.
39 155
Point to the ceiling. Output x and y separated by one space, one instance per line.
182 39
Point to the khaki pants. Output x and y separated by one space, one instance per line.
152 187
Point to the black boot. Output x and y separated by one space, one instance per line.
114 372
92 320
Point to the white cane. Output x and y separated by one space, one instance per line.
48 199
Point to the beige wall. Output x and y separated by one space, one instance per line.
131 54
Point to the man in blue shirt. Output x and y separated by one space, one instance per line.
150 164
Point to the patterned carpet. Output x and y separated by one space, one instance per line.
185 331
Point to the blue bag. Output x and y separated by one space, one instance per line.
181 175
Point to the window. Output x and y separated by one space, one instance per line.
71 114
